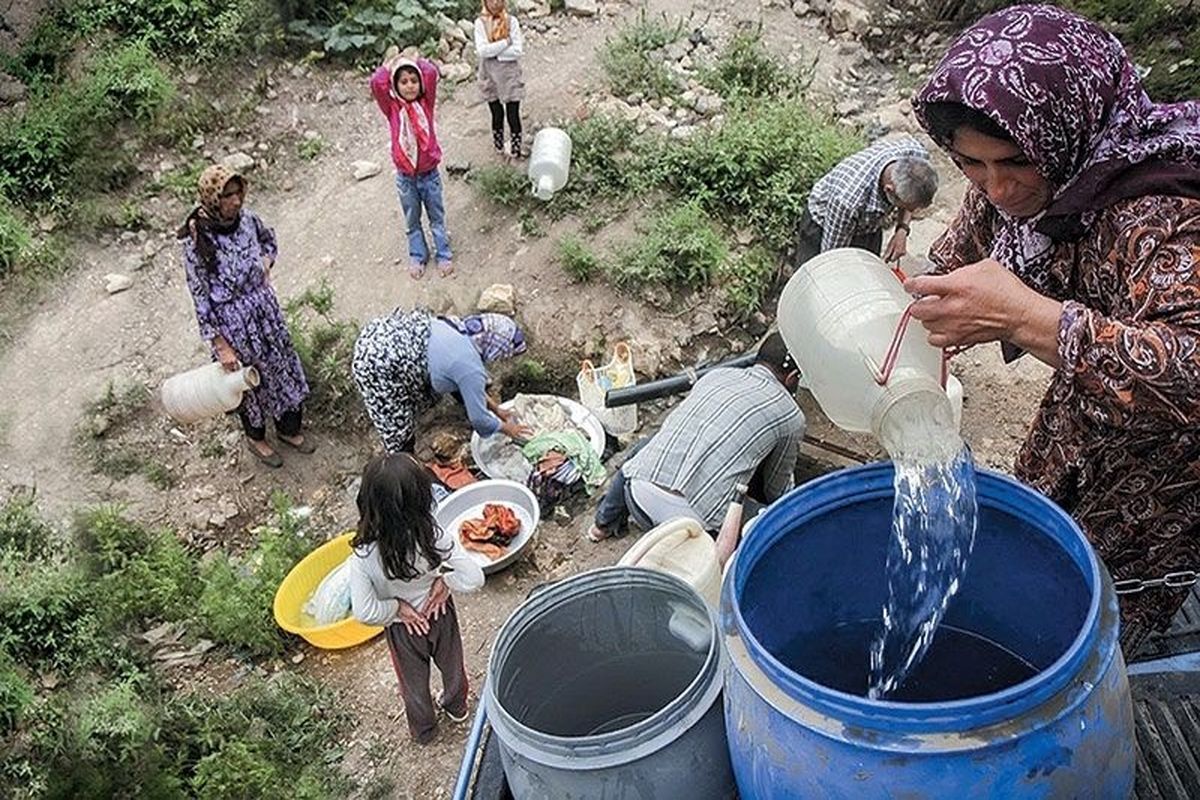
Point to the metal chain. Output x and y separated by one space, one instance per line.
1172 580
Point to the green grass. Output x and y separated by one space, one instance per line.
325 345
629 62
745 69
578 260
309 149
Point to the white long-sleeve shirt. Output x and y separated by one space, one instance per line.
375 598
502 50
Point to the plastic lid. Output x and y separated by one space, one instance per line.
544 189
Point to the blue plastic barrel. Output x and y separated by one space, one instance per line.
1033 588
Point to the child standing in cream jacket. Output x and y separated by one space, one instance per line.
499 43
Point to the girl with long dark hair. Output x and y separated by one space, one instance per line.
401 574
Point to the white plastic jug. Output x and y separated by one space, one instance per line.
549 162
839 315
206 391
680 547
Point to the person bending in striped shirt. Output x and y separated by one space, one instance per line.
864 194
735 426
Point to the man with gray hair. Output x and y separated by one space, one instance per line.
862 195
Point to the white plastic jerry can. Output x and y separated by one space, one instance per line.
549 162
206 391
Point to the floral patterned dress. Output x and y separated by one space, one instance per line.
235 301
1116 441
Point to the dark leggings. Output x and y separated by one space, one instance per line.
287 425
500 110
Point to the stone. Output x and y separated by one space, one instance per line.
467 27
619 108
801 8
311 135
677 51
916 69
499 298
848 17
849 107
582 8
239 161
635 99
525 6
338 96
709 104
457 72
365 169
458 166
115 282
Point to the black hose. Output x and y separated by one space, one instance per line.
628 395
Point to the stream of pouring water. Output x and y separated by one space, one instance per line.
933 531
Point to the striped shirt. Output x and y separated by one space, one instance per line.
732 421
848 201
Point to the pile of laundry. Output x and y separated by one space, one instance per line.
556 460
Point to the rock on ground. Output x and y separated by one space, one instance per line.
499 298
365 169
582 8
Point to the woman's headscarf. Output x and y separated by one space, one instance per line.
205 219
413 132
1070 98
495 336
496 25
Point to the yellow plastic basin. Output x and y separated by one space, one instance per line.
299 585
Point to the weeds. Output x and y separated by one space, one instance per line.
632 61
15 694
502 185
235 602
578 260
309 149
680 247
760 165
326 349
22 531
99 436
15 239
746 280
746 70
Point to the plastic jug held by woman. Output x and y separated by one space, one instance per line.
841 316
206 391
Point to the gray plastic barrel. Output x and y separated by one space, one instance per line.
607 685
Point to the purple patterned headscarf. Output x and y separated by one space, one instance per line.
495 336
1066 92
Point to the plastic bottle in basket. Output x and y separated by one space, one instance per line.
549 162
842 315
206 391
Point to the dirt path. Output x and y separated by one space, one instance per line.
348 232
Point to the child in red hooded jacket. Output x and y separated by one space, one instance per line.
406 91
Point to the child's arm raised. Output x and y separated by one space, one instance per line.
429 79
380 88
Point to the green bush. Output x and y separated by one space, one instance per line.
759 165
15 238
42 149
47 617
201 29
326 349
139 575
365 29
267 740
680 247
22 531
630 60
746 70
237 594
15 694
578 260
607 161
746 280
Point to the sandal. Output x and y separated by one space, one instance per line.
272 459
305 445
597 534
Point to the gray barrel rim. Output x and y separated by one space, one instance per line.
622 746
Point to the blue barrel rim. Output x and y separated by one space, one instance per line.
624 745
871 481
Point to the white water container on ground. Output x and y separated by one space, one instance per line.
680 547
549 162
206 391
838 315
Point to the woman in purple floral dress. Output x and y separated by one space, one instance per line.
228 253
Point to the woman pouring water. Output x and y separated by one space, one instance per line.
1079 242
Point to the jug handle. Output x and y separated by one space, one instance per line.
893 354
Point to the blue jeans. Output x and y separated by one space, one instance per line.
616 505
424 190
